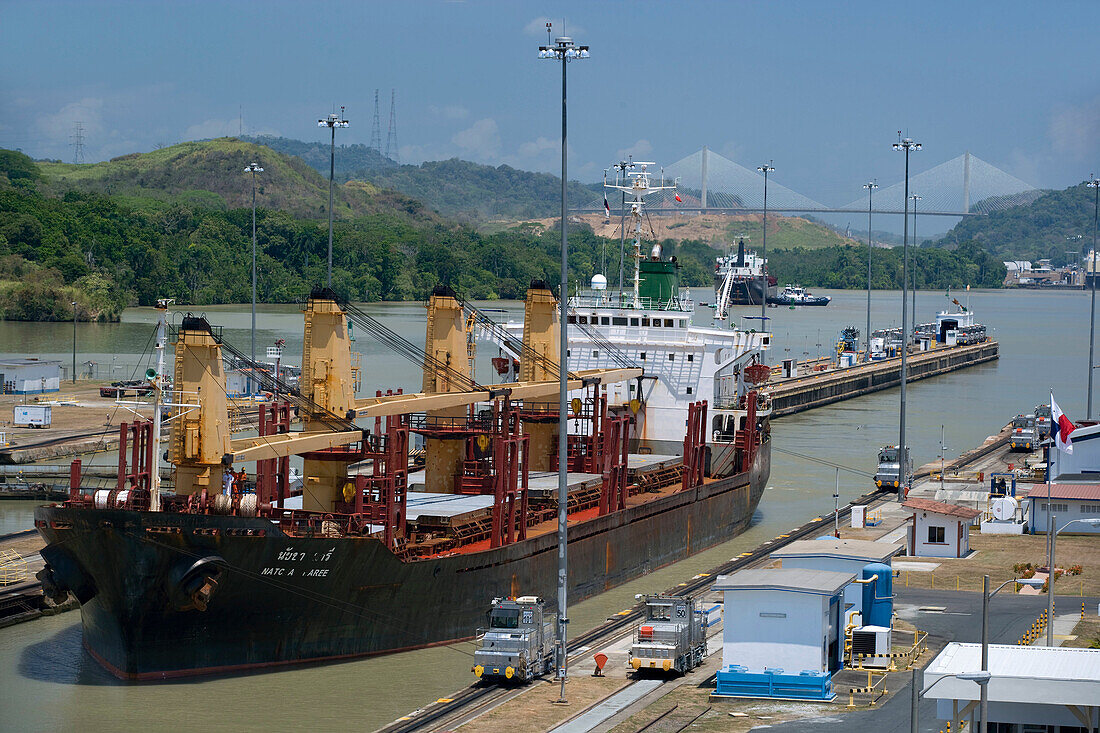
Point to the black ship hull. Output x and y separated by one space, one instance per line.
744 292
281 599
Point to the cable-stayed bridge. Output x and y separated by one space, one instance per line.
963 186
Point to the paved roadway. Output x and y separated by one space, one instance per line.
959 620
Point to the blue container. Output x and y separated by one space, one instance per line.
878 600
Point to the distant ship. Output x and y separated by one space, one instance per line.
740 279
796 295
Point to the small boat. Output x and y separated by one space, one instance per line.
793 295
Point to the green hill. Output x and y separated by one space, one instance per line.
210 175
1050 225
455 188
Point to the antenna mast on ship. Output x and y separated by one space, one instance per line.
637 184
158 381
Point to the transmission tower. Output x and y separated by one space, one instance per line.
376 129
391 138
77 141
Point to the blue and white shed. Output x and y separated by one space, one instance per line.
846 556
783 632
30 376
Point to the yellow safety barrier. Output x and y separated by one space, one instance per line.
874 688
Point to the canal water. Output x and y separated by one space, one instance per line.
48 683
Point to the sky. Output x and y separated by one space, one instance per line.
818 88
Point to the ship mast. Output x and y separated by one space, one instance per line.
158 382
637 184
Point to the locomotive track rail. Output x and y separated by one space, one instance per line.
475 699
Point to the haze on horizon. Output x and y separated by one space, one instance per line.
821 89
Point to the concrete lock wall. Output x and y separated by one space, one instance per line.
774 628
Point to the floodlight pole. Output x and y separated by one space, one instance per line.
253 168
903 478
332 122
870 186
765 169
916 243
563 50
1094 184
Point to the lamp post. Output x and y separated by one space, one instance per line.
1092 522
73 304
564 50
765 169
907 145
332 122
1090 273
870 186
916 242
982 678
253 168
983 709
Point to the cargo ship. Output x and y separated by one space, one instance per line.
739 279
227 572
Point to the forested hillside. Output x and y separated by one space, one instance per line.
1051 225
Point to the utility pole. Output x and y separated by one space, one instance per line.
78 142
870 186
332 122
1090 273
563 50
74 341
906 145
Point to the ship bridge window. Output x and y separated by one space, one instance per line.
618 321
691 357
645 321
668 323
689 390
595 354
571 319
583 319
604 321
504 618
672 357
642 356
633 321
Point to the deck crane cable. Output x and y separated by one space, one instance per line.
499 333
407 349
273 383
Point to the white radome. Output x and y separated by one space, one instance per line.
599 282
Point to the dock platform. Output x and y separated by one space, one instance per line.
815 389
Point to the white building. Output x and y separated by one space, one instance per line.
938 529
1030 687
846 556
785 618
1083 464
30 376
1067 501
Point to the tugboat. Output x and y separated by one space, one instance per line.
795 295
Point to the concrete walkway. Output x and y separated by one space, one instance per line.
600 712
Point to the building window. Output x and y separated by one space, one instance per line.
1090 508
691 357
633 321
672 357
936 536
1059 508
595 355
642 356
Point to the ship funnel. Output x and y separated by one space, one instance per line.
741 252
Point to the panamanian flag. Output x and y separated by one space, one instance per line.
606 208
1061 427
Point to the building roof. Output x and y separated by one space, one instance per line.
820 582
28 362
1066 491
938 507
1026 674
844 549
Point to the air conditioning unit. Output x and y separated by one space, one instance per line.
873 641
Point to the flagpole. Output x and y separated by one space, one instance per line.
1050 528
